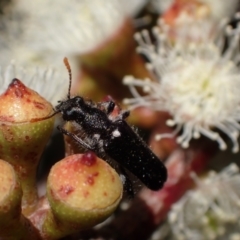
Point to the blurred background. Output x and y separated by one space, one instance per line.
175 65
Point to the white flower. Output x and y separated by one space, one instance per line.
212 210
72 27
197 83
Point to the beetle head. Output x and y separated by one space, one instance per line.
71 109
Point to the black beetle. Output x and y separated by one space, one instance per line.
110 137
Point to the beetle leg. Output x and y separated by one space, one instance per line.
124 114
108 107
76 138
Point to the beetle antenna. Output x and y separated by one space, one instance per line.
66 63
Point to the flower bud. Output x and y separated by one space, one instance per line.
25 127
13 224
82 190
10 193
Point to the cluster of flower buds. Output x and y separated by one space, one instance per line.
82 190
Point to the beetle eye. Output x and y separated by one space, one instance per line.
78 100
74 114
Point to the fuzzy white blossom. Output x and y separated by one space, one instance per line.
42 32
211 210
197 82
72 27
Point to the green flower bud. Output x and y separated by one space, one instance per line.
82 190
13 225
25 127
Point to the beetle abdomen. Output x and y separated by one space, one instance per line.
130 151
